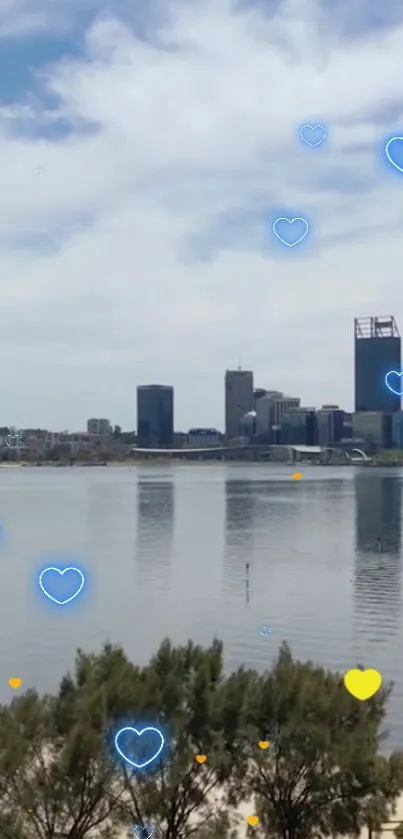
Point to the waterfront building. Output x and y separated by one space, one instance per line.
238 400
397 430
374 427
299 427
377 351
347 426
99 427
270 409
330 422
282 404
180 440
200 438
248 426
155 416
263 410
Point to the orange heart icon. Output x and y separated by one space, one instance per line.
15 682
263 744
201 758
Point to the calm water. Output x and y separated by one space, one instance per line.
165 550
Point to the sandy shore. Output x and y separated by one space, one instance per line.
246 809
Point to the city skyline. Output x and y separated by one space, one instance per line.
241 392
136 239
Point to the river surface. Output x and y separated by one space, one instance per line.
165 548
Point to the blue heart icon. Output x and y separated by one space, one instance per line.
290 231
313 135
61 585
394 152
149 730
400 384
143 831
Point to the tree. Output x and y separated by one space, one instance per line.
322 774
60 776
54 779
182 691
218 828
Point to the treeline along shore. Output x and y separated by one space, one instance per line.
291 743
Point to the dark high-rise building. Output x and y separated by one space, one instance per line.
377 352
299 427
155 416
330 422
238 400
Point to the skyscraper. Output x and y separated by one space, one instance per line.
238 400
155 416
270 410
377 351
330 422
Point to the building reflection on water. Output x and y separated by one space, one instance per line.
155 527
377 572
240 517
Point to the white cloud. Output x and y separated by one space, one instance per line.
16 112
185 135
25 18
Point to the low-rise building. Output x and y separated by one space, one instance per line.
200 438
397 430
99 427
374 427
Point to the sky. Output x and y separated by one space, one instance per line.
145 150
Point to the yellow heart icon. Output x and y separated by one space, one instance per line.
263 744
201 758
253 820
14 683
362 683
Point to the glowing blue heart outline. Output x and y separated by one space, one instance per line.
394 373
290 221
147 826
313 127
396 165
139 733
59 571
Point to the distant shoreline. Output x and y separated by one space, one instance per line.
155 461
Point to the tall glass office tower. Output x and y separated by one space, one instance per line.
377 351
155 416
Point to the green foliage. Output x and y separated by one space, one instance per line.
322 775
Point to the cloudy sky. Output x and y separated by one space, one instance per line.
145 150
